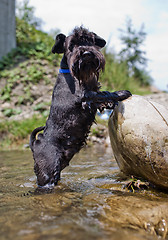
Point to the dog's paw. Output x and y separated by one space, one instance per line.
121 95
108 105
86 105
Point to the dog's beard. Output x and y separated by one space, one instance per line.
87 70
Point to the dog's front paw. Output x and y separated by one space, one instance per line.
108 105
121 95
86 105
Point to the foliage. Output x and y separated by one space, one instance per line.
116 76
8 112
132 53
33 42
15 131
26 13
25 75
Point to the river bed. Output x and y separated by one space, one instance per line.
88 203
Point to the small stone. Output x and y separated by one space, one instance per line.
5 105
161 228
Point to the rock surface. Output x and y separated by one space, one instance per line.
161 98
138 131
151 214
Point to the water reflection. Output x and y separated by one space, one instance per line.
88 203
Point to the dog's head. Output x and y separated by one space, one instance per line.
47 166
82 51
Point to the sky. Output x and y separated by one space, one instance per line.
106 17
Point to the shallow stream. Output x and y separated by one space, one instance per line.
89 202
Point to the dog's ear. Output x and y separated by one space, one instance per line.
59 44
100 42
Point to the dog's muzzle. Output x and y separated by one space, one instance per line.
86 64
89 61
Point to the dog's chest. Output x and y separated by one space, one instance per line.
67 92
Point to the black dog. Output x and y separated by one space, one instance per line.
75 100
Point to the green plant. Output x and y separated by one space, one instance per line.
40 107
26 13
12 132
94 131
8 112
28 93
132 53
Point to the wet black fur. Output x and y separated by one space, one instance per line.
75 100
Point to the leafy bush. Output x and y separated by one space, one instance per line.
116 76
14 132
8 112
132 53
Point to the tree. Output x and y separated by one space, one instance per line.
26 13
133 54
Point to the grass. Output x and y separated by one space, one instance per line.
13 134
116 77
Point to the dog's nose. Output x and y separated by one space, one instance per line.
87 54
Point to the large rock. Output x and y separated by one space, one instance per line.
138 131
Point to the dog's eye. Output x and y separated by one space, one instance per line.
71 46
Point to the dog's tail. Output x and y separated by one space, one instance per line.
33 136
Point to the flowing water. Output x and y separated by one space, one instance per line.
88 203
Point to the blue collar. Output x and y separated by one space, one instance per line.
64 70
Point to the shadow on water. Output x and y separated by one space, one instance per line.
89 202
